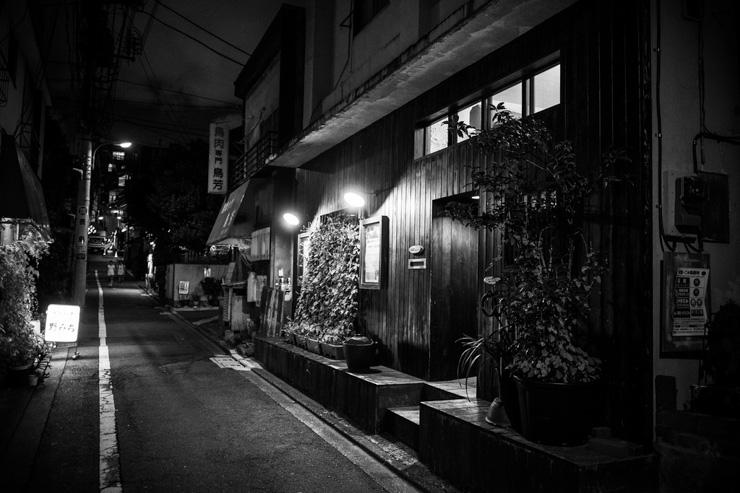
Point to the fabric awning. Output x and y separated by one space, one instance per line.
226 225
21 193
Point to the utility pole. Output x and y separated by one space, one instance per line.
82 221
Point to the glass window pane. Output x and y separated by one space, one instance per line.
546 89
437 135
470 116
512 99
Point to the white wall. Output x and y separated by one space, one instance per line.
391 32
679 91
261 102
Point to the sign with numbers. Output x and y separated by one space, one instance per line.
62 323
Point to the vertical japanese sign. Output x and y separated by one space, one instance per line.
218 158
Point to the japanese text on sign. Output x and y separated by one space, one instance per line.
690 301
62 323
218 158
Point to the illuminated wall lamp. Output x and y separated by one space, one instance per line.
354 199
291 219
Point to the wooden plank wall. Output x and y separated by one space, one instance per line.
405 188
604 50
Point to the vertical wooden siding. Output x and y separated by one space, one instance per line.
379 160
604 50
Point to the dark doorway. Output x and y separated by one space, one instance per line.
454 286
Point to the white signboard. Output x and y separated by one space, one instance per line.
183 287
690 301
62 323
218 159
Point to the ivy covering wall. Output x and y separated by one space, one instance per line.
328 303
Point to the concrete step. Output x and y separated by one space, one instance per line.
451 389
403 424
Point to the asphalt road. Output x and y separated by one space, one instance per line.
183 423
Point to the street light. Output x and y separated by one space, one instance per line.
82 219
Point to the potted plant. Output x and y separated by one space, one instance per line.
332 346
359 351
20 347
539 293
328 303
721 363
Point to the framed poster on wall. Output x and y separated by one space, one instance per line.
373 252
304 246
685 304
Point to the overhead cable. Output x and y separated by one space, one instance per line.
203 28
192 38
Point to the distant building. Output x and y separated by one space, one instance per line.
24 98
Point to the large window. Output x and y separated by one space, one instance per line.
531 94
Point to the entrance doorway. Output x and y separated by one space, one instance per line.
454 287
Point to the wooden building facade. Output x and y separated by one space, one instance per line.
603 50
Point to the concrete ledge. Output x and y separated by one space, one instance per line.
456 443
361 397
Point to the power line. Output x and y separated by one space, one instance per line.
180 105
203 28
192 38
138 122
152 86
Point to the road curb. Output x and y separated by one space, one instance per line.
23 444
385 451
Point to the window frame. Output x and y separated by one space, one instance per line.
527 97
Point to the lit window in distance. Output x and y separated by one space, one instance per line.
546 89
437 135
512 99
470 116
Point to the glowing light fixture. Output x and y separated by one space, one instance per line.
291 219
354 199
475 197
124 145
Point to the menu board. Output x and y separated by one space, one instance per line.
373 252
371 268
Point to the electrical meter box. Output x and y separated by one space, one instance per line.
702 206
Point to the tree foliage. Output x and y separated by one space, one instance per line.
540 296
167 197
19 344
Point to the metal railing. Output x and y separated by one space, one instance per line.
255 159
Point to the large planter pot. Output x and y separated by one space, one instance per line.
359 355
300 341
510 396
332 351
18 375
557 413
313 345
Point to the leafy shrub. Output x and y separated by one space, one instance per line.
540 295
19 344
328 303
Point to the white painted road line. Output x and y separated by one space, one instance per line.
110 465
